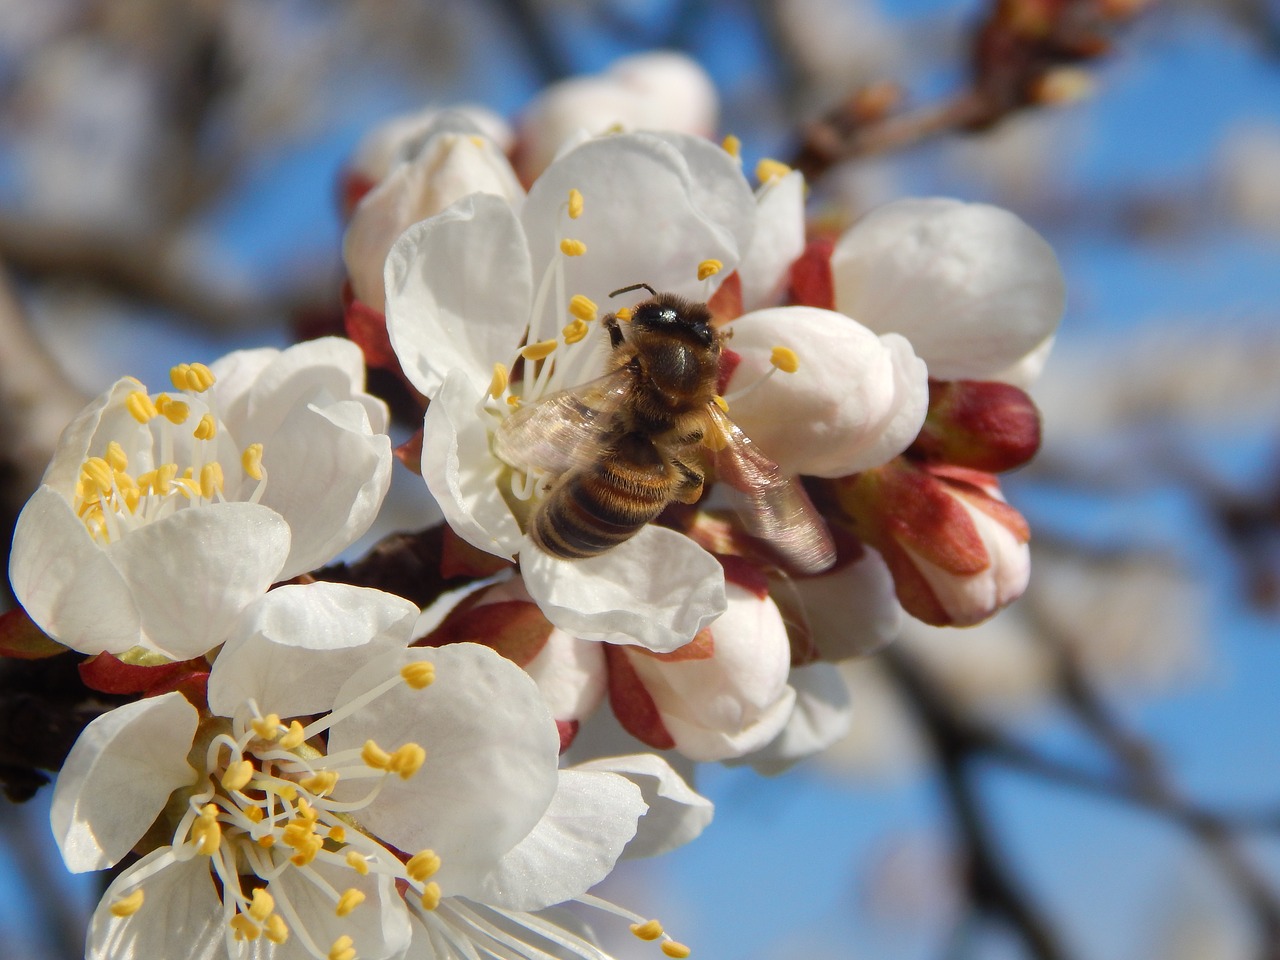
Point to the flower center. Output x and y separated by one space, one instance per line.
267 809
177 460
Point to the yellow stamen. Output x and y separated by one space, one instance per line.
277 931
342 949
306 812
206 831
767 170
321 783
623 314
337 833
575 332
255 814
96 474
268 727
422 865
195 377
350 899
572 248
513 401
431 896
141 407
211 479
709 268
419 675
251 461
307 851
262 905
498 382
128 906
374 756
678 951
575 204
244 927
207 428
408 760
176 411
721 402
116 457
477 141
785 359
538 351
267 840
287 791
237 776
294 737
357 862
584 308
731 145
649 930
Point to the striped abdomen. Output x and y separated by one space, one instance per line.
588 511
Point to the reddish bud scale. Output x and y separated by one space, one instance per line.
568 730
352 187
811 281
459 558
977 424
409 453
726 303
109 674
21 639
367 328
514 628
631 702
701 647
744 573
729 361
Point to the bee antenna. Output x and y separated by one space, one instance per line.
634 286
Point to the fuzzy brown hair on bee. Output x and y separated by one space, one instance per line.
625 446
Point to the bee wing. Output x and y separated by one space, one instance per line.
773 506
566 429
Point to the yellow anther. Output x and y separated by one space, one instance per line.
255 814
575 203
374 756
132 497
419 674
357 862
342 949
649 930
721 402
207 428
96 474
498 382
251 461
623 314
431 896
141 407
306 812
176 411
731 145
676 950
709 268
422 865
408 760
584 308
477 141
211 480
297 834
767 170
178 376
307 852
538 351
321 783
785 359
128 906
268 727
187 487
287 791
237 775
277 931
200 378
513 401
337 833
244 927
262 905
575 332
116 456
294 737
572 248
350 899
267 840
162 482
206 831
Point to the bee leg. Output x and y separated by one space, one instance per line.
689 489
615 330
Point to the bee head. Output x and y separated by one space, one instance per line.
666 314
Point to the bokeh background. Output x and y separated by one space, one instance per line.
1095 774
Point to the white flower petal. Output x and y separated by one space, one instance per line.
856 401
180 916
104 417
491 757
654 208
66 582
294 647
970 285
573 847
851 609
777 242
327 474
822 715
118 778
459 287
655 590
677 813
462 474
192 572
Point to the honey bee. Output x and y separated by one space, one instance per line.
623 447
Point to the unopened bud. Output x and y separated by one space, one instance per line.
978 424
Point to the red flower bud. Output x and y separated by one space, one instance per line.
978 424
